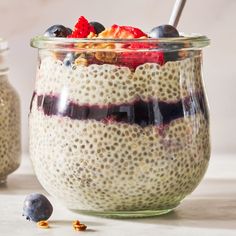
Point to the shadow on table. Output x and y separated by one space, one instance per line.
215 208
202 213
212 205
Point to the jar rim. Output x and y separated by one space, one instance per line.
193 41
3 45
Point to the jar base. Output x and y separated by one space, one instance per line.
125 214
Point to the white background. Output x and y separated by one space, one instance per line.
20 20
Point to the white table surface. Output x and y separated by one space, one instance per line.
210 210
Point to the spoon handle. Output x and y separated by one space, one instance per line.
176 12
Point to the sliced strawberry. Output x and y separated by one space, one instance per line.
136 58
82 29
122 32
140 45
137 33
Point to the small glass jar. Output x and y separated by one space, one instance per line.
10 135
120 127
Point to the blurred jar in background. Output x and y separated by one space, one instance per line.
10 132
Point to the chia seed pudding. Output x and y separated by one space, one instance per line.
110 137
10 142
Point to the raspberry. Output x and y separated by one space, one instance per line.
82 29
140 45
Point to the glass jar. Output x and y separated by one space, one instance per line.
120 127
10 140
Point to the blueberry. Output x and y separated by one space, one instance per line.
58 31
171 56
37 207
69 59
164 31
69 30
167 31
97 26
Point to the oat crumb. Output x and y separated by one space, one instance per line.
78 226
43 224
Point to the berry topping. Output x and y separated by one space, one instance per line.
82 29
58 31
164 31
140 45
69 59
97 26
122 32
135 58
37 207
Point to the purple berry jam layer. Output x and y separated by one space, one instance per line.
139 112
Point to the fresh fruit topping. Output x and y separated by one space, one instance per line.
97 26
164 31
58 31
135 58
140 45
122 32
37 207
172 55
82 29
69 59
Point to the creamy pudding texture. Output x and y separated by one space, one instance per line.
110 84
96 149
10 145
